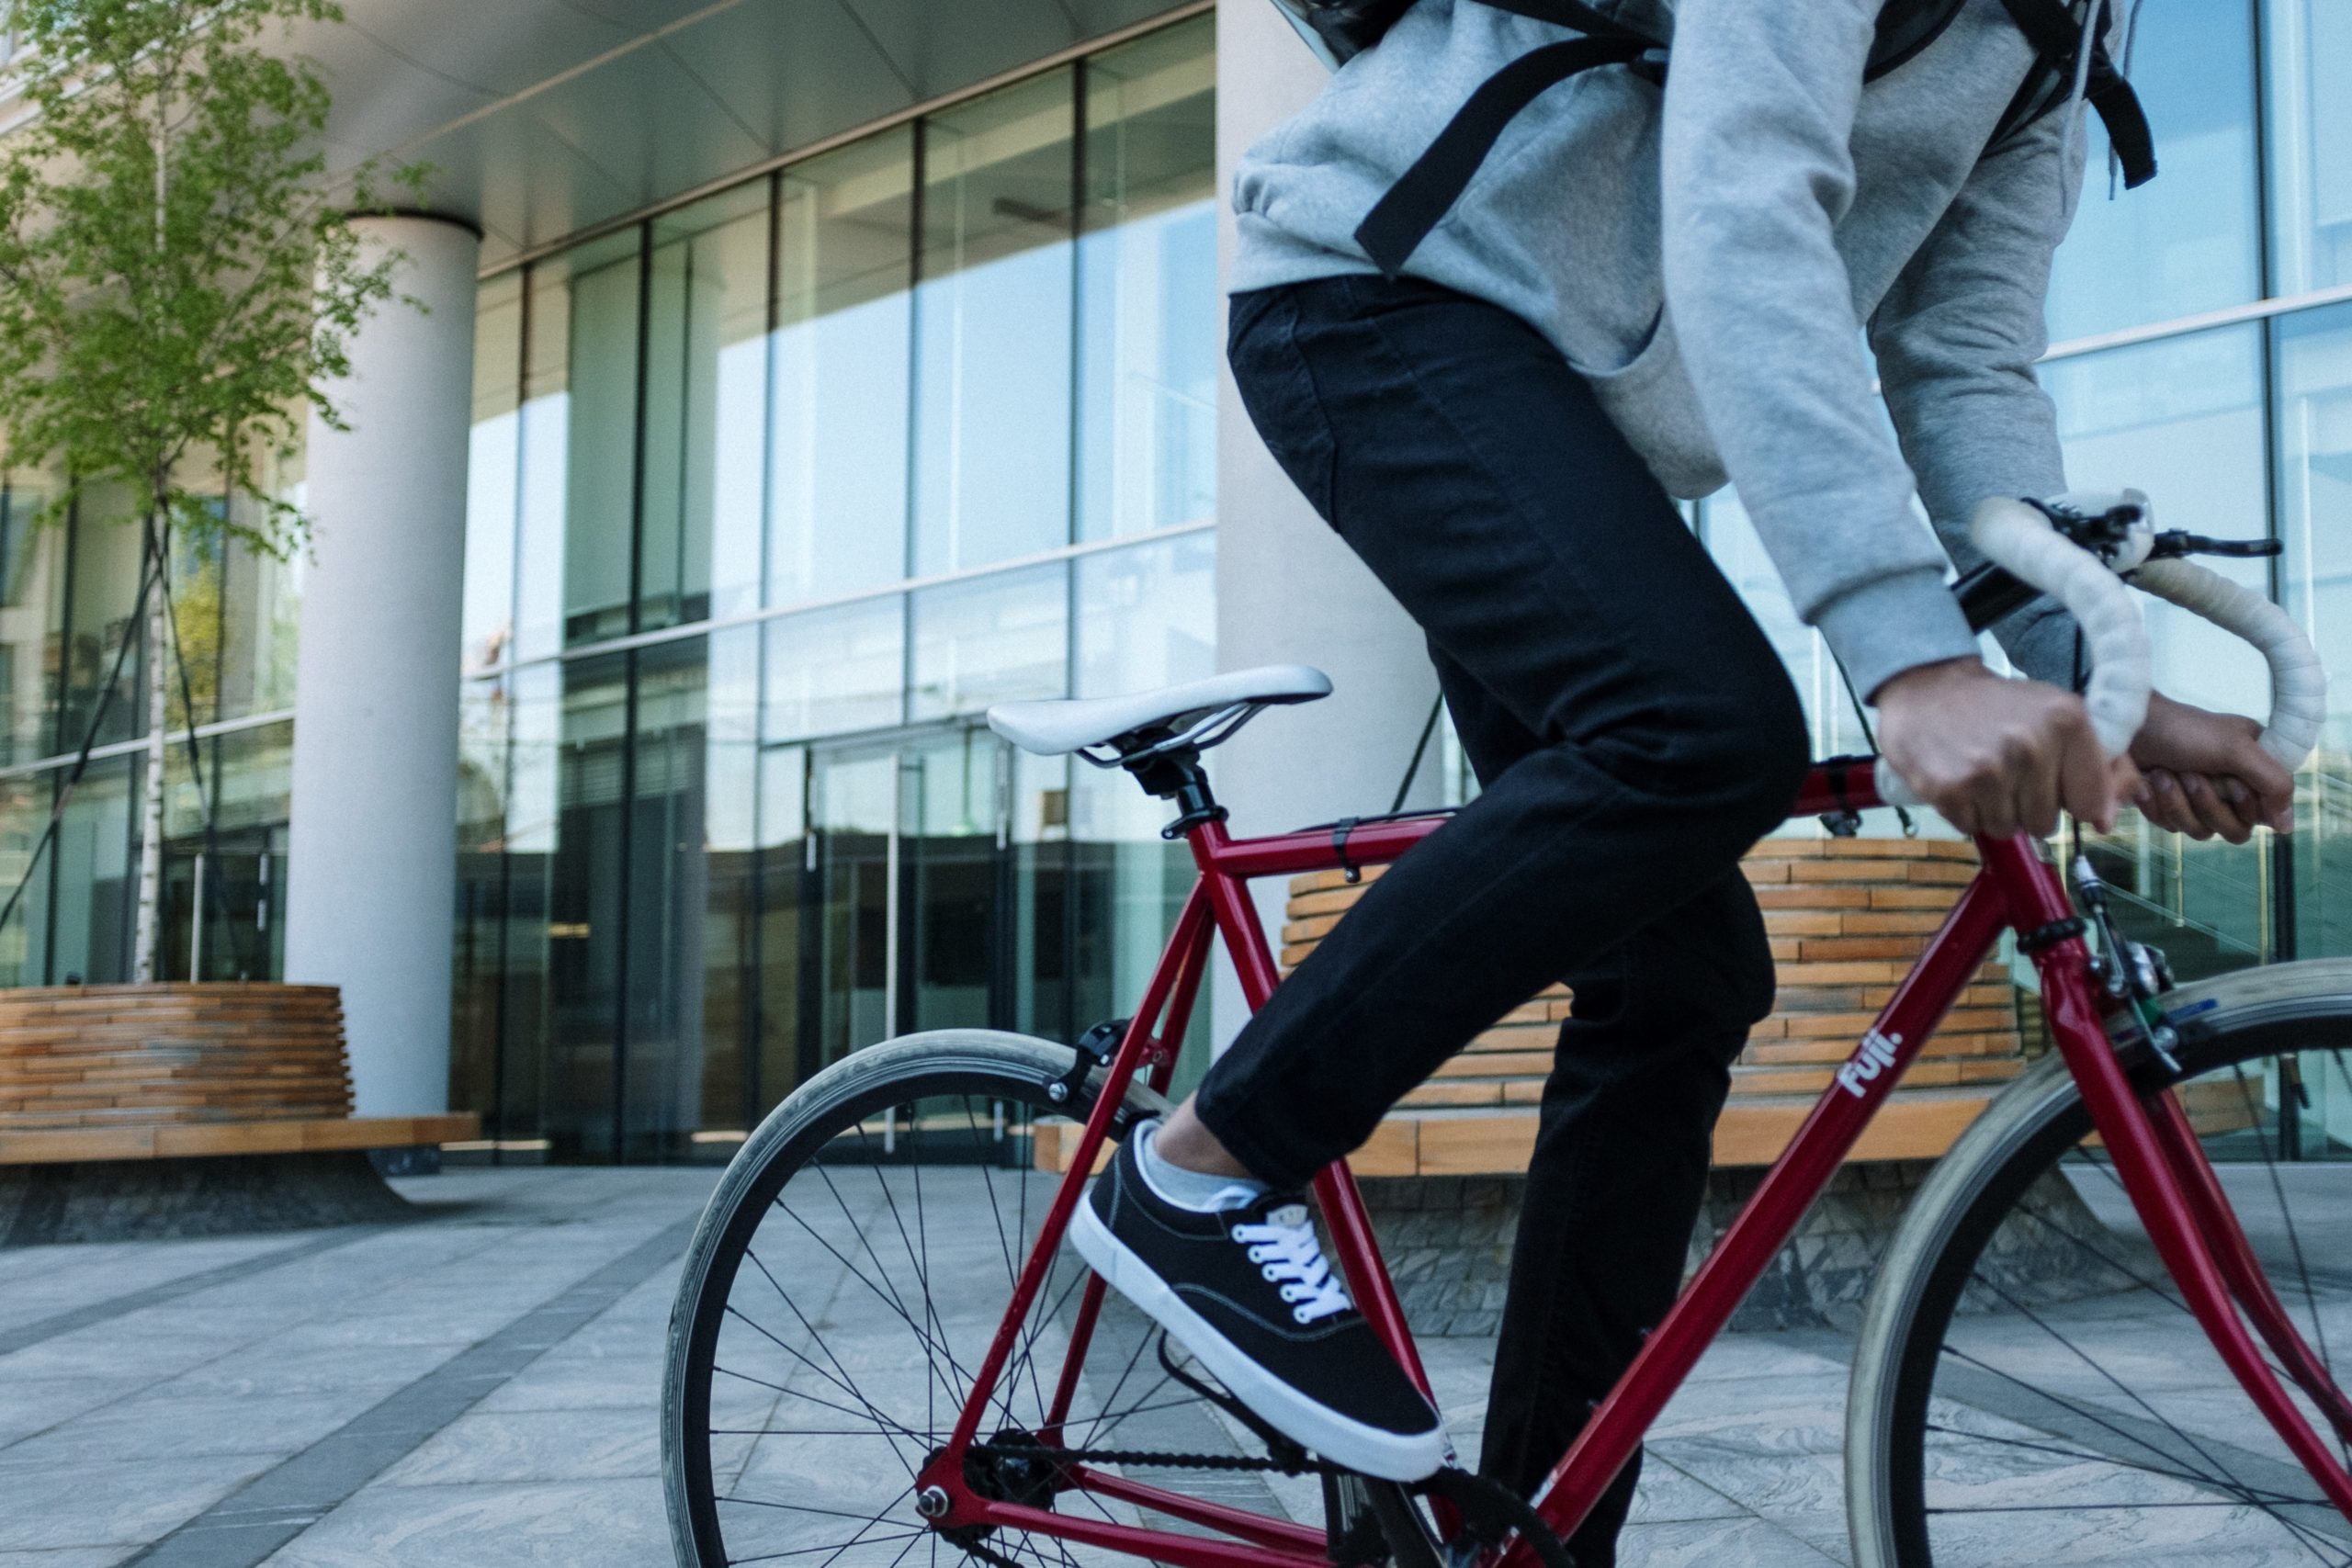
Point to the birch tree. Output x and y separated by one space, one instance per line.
178 282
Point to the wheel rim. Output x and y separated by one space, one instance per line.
2056 1394
846 1305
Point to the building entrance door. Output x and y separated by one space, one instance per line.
906 881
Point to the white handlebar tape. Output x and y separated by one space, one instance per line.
2298 682
2020 540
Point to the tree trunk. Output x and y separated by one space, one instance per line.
150 918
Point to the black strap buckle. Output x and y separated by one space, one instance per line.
1340 831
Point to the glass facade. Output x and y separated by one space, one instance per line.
68 586
772 492
772 495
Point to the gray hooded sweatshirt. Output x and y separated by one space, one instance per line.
1709 256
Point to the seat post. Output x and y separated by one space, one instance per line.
1177 775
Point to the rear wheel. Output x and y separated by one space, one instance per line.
846 1280
2029 1383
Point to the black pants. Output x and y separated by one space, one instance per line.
1633 733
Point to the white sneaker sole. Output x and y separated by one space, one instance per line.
1369 1451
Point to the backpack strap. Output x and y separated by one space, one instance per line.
2056 36
1403 218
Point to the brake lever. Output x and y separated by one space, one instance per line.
2176 542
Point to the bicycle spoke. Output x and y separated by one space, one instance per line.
2294 1246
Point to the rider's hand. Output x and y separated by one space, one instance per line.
1996 756
2206 774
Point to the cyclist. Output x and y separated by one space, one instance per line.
1647 291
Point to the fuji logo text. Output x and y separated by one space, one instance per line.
1875 1054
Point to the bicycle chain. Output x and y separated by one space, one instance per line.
1521 1517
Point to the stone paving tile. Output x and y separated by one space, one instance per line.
537 1445
127 1428
601 1524
118 1504
153 1425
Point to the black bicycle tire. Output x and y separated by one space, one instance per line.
2230 1019
961 1061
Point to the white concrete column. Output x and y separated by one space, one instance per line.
1287 589
372 848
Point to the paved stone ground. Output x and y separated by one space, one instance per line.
478 1389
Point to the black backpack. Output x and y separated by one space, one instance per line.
1338 30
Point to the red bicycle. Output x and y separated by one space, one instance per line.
2107 1315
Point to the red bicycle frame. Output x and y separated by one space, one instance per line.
2162 1166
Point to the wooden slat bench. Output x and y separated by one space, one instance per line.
170 1071
1847 918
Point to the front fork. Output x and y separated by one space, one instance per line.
2169 1181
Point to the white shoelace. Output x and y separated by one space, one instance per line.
1288 1254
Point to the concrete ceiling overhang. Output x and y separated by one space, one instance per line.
542 119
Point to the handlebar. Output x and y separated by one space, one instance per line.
2027 554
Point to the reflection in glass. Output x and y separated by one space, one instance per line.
993 328
686 905
480 914
837 669
1146 616
705 411
96 855
221 901
107 560
32 600
1147 285
853 906
949 796
577 447
2313 356
990 639
780 870
586 913
838 455
25 802
528 942
2182 419
487 611
2309 49
2189 241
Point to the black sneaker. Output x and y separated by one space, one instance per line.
1248 1292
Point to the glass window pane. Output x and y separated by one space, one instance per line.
2314 424
96 856
25 803
993 328
689 892
2182 419
1146 616
107 565
220 909
829 672
1147 285
527 944
838 460
783 857
990 639
2308 46
478 959
584 924
579 447
705 411
2188 241
487 615
32 603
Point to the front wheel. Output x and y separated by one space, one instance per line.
2029 1385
